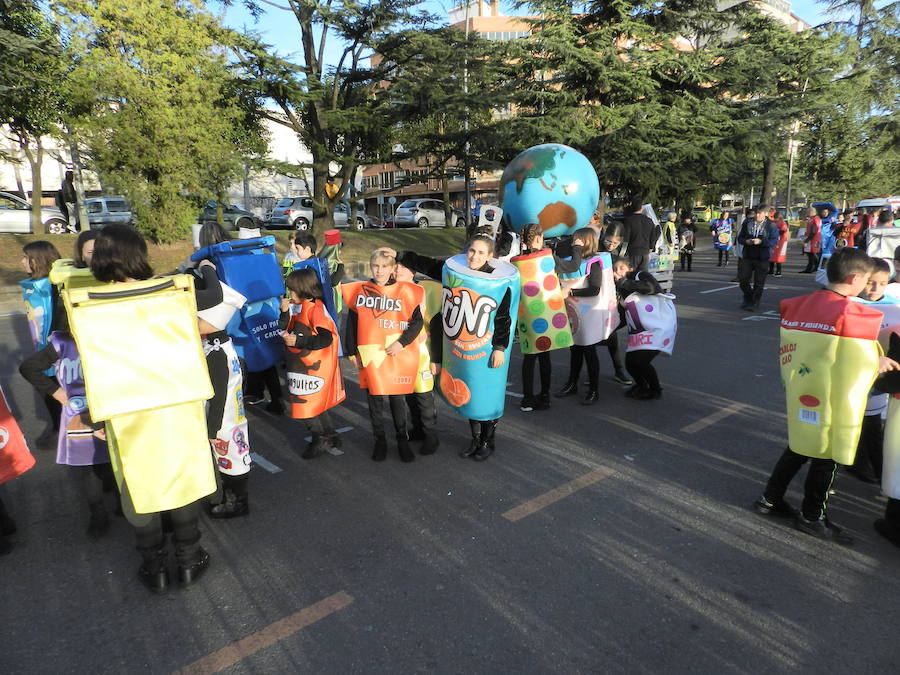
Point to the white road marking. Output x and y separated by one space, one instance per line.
716 290
712 418
264 463
514 394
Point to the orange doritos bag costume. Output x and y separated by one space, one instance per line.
382 314
15 459
313 375
829 359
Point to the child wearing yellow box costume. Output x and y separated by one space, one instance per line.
154 416
829 358
384 321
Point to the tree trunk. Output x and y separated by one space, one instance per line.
449 218
323 207
35 159
220 215
78 180
768 189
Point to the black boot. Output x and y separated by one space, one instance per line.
486 446
192 564
99 522
430 444
317 446
233 506
571 389
379 452
591 398
406 453
154 572
7 524
475 428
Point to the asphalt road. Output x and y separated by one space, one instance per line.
612 538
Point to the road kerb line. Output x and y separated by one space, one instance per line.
266 637
554 495
712 418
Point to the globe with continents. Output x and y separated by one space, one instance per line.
552 185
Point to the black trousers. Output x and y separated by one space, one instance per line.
723 255
90 481
54 407
422 413
185 532
528 361
578 354
774 268
686 258
398 413
892 514
812 262
320 425
870 451
257 383
819 479
615 354
639 366
755 270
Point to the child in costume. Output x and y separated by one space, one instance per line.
812 241
533 239
687 233
331 251
722 230
611 242
779 251
423 416
652 324
314 377
302 246
15 459
41 297
829 359
384 321
585 282
869 452
226 422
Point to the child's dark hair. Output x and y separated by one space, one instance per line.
529 232
83 237
41 255
305 240
119 254
880 265
211 234
305 283
622 259
848 261
487 239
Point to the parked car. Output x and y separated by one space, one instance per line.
703 214
108 211
296 213
424 213
234 216
15 216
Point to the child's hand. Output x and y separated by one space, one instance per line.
885 364
435 368
497 358
289 339
100 433
394 349
285 305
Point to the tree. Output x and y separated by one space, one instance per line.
164 124
341 112
30 99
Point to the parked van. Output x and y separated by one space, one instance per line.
878 203
108 211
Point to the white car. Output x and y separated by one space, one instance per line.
424 213
15 216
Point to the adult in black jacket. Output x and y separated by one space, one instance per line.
641 234
758 235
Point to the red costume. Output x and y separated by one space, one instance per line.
779 251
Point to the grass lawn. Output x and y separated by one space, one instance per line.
166 257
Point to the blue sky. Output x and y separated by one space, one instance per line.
279 27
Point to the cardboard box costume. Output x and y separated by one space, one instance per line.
382 314
470 302
154 416
15 459
829 359
38 298
592 318
313 376
250 267
652 322
542 323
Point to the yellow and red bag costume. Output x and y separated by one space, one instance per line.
431 307
382 314
15 459
145 375
829 360
313 376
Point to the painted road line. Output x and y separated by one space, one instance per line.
554 495
514 394
268 636
712 418
716 290
342 430
264 463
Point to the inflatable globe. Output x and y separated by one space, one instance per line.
552 185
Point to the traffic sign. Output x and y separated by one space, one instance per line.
392 200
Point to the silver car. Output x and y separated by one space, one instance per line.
296 213
107 211
15 216
424 213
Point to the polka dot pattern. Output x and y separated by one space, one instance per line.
542 321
